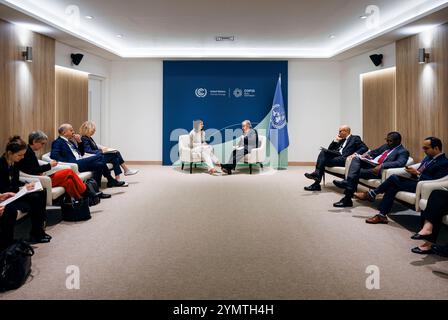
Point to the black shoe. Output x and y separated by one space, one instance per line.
418 236
313 187
343 184
440 250
343 203
312 176
417 250
43 238
226 169
105 195
115 183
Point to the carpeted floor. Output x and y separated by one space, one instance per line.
172 235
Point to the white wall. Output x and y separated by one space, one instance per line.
136 102
313 107
351 69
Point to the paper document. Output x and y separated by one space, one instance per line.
110 150
371 161
22 192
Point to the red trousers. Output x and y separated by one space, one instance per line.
68 179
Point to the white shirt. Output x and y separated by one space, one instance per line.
345 143
74 151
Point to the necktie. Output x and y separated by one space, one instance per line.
383 156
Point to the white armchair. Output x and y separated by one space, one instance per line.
257 155
186 154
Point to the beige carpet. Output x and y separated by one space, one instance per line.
172 235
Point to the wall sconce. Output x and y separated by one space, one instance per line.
423 56
28 54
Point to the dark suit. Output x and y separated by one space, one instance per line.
436 209
433 169
246 144
326 159
114 158
362 170
60 151
30 164
32 203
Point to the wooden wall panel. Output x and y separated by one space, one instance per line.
422 95
26 88
379 109
71 97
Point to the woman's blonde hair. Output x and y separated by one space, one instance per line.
87 128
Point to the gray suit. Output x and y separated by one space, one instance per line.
247 142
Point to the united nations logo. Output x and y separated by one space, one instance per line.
238 93
278 118
201 92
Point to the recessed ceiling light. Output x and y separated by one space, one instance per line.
363 17
119 36
89 17
331 36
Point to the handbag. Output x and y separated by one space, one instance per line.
94 192
76 210
15 265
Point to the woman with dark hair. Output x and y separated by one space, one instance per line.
32 203
65 178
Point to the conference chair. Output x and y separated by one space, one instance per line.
186 154
257 156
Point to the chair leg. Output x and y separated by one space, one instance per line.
261 165
195 165
191 167
323 179
183 165
250 169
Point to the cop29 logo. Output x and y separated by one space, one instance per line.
238 93
201 92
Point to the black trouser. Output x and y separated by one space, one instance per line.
390 188
116 160
436 209
97 165
326 159
35 205
237 155
7 223
358 170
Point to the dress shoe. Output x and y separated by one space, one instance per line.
378 219
312 176
440 250
417 250
364 196
343 184
418 236
43 238
115 183
343 203
105 195
313 187
226 169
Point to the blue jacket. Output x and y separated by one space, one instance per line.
90 145
435 169
60 151
396 159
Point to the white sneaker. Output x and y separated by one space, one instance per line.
131 172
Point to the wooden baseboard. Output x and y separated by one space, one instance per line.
145 163
301 164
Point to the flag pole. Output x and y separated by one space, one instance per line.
278 153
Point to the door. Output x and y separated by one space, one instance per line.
96 105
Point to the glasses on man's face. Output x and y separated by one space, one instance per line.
425 148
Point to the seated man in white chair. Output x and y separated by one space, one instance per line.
248 141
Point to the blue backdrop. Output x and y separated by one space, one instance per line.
222 93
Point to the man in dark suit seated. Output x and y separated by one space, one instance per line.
248 141
68 147
390 155
344 145
433 167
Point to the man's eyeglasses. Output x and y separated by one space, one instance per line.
426 148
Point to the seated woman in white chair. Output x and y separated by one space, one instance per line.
200 146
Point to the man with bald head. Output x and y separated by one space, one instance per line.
344 145
69 148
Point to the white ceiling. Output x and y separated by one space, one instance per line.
262 29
